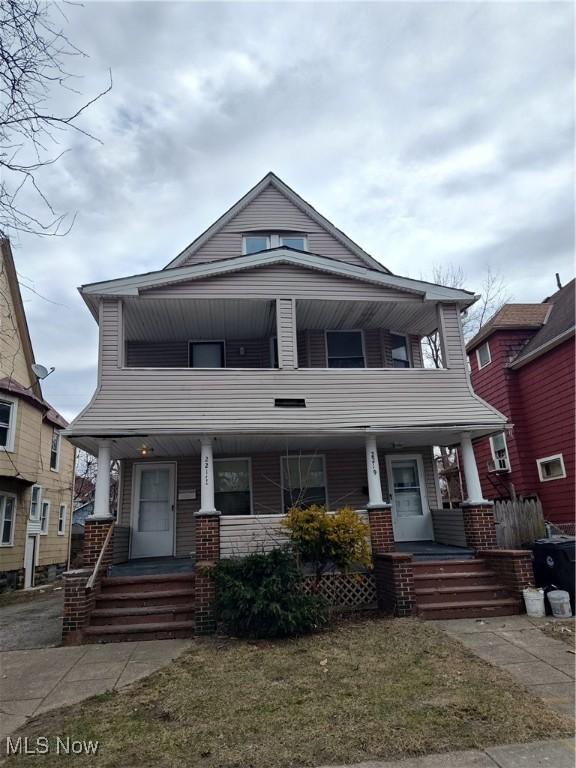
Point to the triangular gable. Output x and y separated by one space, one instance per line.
16 354
272 205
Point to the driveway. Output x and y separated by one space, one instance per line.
35 622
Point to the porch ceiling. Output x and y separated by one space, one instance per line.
415 317
164 446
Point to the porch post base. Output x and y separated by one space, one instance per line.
207 555
381 531
394 577
479 525
95 532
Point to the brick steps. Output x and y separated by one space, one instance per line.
473 609
456 593
141 614
477 578
123 584
144 631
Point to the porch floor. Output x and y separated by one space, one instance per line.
151 566
431 550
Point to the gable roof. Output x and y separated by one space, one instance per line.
272 180
512 317
133 285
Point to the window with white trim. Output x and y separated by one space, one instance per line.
61 519
233 486
7 423
298 242
500 452
35 497
303 481
7 519
44 517
262 241
483 355
345 349
55 451
400 351
551 468
256 243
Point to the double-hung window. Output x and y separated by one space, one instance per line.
345 349
7 519
7 423
303 481
44 517
500 452
483 355
232 486
400 351
35 498
62 520
55 451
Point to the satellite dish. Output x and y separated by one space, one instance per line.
40 371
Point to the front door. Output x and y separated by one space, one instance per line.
153 510
410 512
29 561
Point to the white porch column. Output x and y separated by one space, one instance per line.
373 468
207 477
471 471
102 487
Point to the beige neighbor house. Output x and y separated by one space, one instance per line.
273 361
36 462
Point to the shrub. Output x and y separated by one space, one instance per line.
261 596
321 539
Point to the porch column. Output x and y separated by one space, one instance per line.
373 467
207 477
473 487
102 487
379 513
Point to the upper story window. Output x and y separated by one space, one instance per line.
551 468
206 354
500 452
261 241
35 502
483 355
400 351
7 423
44 517
62 520
7 519
55 451
345 349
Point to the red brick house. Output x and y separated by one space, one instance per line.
522 363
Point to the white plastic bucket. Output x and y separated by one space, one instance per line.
560 603
534 601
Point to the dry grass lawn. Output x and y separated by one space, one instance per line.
367 689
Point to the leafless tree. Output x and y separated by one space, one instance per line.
34 54
85 480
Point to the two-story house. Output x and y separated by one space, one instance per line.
273 362
522 362
36 462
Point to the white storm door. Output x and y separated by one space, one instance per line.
410 512
153 510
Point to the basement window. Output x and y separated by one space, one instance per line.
551 468
289 402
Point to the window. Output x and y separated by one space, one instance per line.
551 468
206 354
344 349
7 519
232 486
55 451
483 355
44 517
61 519
35 502
7 423
400 353
303 481
256 243
500 452
298 242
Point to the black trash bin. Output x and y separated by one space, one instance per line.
554 564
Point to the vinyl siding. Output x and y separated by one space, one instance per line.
287 344
270 211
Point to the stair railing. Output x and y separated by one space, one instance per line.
94 575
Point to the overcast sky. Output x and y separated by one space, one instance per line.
428 132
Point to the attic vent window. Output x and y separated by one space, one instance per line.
289 402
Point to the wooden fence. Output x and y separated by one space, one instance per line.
518 522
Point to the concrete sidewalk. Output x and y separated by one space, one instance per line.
39 680
516 644
559 753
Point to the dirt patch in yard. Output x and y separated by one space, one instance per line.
560 629
365 690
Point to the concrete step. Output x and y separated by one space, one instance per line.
159 582
456 593
165 614
141 631
485 578
471 609
180 596
449 566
